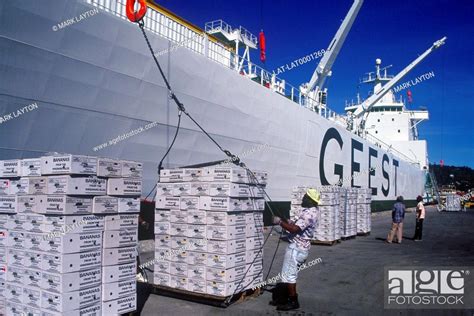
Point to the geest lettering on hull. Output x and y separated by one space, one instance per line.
385 159
372 153
333 134
355 166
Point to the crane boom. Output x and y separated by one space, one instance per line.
323 69
365 106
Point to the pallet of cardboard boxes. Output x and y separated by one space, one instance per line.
348 214
364 200
342 212
68 230
209 230
327 227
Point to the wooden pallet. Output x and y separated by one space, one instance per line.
218 301
363 234
325 242
348 238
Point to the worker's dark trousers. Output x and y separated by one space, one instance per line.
418 229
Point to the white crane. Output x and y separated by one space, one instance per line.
315 88
365 107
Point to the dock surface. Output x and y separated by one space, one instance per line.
349 280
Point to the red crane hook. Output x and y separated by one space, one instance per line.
135 16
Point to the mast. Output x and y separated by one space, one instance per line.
367 105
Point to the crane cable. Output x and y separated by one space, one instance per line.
232 157
443 95
166 154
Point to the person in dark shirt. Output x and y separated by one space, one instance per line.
398 215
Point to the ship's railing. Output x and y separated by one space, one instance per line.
116 7
380 143
217 25
220 25
274 83
168 28
199 42
280 86
218 53
360 101
369 77
267 79
246 34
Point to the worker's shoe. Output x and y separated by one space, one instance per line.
290 305
279 294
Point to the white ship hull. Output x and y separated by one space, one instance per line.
95 80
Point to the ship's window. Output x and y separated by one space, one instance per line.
376 132
393 120
378 120
399 131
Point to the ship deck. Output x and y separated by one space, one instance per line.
349 280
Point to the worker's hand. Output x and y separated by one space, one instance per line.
276 220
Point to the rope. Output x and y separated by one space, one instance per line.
173 96
229 299
166 154
233 158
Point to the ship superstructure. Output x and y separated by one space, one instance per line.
388 123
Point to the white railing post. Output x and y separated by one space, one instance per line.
206 44
273 82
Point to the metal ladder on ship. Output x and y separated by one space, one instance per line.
434 186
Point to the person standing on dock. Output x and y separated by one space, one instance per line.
301 232
398 215
420 216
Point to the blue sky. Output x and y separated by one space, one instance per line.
395 31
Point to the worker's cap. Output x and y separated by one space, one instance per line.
314 195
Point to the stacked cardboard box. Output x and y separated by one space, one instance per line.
53 240
348 213
343 230
364 199
46 260
327 228
453 203
7 206
209 229
120 209
296 198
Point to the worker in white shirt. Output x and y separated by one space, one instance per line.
420 217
